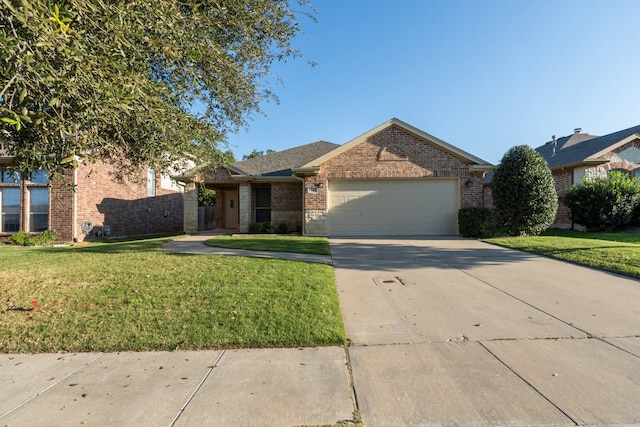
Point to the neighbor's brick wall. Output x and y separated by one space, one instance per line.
124 206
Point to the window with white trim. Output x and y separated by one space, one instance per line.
37 189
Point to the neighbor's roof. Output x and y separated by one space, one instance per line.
476 161
581 148
282 163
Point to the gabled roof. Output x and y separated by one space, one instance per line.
584 149
282 163
476 161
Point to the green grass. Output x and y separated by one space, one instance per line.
614 252
118 296
274 243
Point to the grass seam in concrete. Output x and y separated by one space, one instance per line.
354 394
198 387
55 383
529 384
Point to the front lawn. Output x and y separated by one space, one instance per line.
614 252
271 242
117 296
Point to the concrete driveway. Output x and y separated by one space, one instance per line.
449 331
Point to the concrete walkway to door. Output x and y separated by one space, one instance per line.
449 331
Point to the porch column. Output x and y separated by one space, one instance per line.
244 199
190 208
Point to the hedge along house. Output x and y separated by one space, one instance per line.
393 180
88 204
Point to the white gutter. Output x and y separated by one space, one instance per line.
75 205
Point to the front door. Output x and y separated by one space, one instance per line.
231 209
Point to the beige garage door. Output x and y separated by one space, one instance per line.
397 207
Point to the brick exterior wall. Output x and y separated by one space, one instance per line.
286 196
98 198
392 153
124 206
61 198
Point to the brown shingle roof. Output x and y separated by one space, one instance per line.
281 163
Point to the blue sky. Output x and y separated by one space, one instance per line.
483 75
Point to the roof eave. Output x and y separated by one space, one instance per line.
312 170
618 144
585 162
482 168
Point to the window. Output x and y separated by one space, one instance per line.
10 210
38 209
151 182
263 204
39 177
12 190
9 177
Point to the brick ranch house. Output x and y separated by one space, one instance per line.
98 208
580 155
393 180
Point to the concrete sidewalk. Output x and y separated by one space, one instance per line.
266 387
194 244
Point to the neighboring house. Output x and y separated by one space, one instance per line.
393 180
572 158
580 155
88 204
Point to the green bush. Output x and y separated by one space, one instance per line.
267 227
206 197
262 227
524 194
282 228
44 238
477 222
23 238
604 203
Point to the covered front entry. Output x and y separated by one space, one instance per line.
393 207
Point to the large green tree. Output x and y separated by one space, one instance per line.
135 82
524 194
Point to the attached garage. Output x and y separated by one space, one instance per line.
393 207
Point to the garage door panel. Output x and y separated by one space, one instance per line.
401 207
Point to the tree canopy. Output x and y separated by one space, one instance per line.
135 82
256 153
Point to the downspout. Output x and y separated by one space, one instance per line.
304 233
74 216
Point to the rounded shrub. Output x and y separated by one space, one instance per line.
524 193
